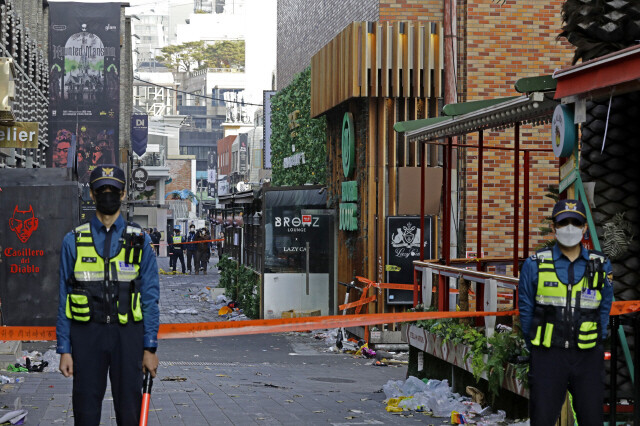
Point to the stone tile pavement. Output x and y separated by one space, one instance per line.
279 379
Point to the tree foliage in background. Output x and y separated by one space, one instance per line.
198 55
310 135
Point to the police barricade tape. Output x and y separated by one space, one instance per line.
278 325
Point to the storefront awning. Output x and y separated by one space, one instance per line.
596 78
534 108
245 197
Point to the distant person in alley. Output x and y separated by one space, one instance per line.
176 248
565 295
108 314
191 249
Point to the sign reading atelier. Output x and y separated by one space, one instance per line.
349 206
19 135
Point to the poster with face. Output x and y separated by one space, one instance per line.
84 59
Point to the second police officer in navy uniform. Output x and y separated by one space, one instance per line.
565 295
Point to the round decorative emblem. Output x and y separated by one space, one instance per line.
563 131
139 175
348 145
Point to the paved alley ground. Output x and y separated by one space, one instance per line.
279 379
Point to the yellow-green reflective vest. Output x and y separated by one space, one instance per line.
567 315
177 240
105 288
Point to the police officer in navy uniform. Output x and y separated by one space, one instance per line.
108 315
565 295
176 249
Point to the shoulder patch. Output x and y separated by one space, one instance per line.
544 254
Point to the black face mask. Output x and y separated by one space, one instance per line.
108 202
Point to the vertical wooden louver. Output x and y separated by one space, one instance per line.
371 59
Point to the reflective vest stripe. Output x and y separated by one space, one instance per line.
89 288
554 298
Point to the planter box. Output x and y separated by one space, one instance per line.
455 354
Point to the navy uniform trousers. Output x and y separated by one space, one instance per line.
99 350
553 371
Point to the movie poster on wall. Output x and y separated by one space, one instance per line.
84 99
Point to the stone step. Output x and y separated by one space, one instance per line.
10 351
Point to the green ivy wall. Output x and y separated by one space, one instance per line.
310 135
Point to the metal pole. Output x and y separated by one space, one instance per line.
480 287
423 158
307 252
636 370
446 235
516 196
422 188
525 243
613 372
479 205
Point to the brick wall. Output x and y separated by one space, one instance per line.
180 174
504 43
411 10
306 26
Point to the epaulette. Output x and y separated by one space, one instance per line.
544 254
597 255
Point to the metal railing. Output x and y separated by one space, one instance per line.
487 286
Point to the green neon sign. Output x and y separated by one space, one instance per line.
348 144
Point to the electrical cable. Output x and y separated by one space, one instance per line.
195 94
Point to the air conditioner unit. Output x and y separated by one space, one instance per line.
7 89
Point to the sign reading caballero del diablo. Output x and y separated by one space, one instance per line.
31 231
84 67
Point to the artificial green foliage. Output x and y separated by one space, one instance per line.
488 356
545 228
310 135
241 285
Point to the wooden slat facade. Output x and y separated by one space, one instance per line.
394 60
381 73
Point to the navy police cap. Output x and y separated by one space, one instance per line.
107 174
569 209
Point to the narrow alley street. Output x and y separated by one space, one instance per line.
277 379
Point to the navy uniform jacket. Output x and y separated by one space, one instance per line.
150 289
528 286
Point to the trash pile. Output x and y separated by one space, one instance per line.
338 342
229 310
36 362
436 398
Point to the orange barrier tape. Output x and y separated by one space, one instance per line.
236 328
357 303
278 325
391 286
624 307
189 242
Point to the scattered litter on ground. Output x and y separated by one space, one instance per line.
173 379
436 398
17 416
191 311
